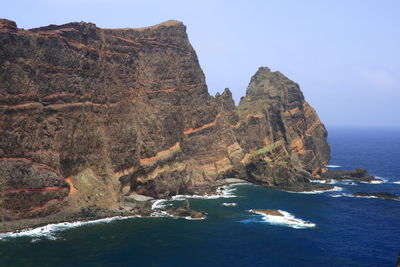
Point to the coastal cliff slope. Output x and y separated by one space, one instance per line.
90 116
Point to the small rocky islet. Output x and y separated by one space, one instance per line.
359 175
383 195
284 217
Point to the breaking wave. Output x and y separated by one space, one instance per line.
383 180
332 181
350 195
335 188
229 204
226 191
163 214
287 219
333 166
51 231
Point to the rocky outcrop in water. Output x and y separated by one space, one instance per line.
186 212
90 116
382 195
358 174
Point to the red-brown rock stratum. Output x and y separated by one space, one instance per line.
91 117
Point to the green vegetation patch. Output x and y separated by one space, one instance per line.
263 150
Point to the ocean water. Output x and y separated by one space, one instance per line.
322 229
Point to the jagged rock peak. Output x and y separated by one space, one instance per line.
226 99
267 84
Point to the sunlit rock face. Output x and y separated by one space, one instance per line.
90 115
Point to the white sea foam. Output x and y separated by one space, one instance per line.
373 182
350 195
163 214
229 204
159 204
396 182
317 181
332 181
364 196
286 220
336 195
226 191
385 180
348 182
160 213
50 231
195 219
333 166
335 188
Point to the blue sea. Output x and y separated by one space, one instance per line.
321 229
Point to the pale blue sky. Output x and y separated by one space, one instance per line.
345 54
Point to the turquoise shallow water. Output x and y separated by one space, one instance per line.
349 231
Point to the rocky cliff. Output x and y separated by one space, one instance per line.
90 116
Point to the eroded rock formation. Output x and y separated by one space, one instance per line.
89 116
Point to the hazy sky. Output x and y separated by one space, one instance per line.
344 54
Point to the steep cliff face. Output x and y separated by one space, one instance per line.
276 120
90 116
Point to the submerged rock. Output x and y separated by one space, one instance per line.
282 217
184 211
358 174
267 212
383 195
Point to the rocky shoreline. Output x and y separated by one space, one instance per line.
142 206
117 118
139 205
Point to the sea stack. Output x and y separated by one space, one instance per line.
91 115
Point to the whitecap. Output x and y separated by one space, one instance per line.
229 204
335 188
336 195
332 181
333 166
385 180
317 181
50 231
350 195
194 219
373 182
286 220
363 196
396 182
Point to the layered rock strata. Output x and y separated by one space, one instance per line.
90 116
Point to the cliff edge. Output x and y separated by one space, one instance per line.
90 117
